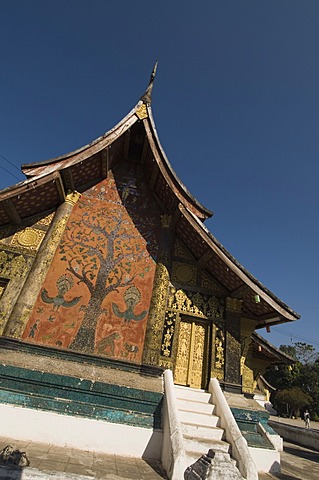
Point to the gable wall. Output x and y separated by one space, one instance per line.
96 295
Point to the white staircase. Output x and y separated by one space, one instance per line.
199 424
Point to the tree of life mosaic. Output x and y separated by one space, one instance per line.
97 293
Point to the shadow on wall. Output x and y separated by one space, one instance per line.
153 448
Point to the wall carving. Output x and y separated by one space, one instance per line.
26 238
181 251
154 331
12 265
29 238
184 273
246 328
14 268
168 333
5 232
3 286
208 284
219 348
46 221
195 303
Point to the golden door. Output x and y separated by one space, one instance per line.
191 354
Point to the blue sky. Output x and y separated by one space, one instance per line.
235 102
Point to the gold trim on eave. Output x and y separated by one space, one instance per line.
72 197
141 112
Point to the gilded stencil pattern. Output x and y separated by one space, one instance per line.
183 273
219 348
4 233
46 221
156 317
195 303
181 251
166 364
245 343
211 286
190 354
14 267
11 264
29 238
183 353
3 285
168 334
197 358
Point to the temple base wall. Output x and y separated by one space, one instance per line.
79 433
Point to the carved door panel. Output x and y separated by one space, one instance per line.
190 367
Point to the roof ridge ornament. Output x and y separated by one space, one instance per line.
147 97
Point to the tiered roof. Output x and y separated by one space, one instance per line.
135 137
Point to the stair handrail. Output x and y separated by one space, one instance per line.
240 451
173 450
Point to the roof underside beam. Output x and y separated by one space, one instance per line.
12 212
67 179
205 258
154 176
145 149
241 291
105 161
126 144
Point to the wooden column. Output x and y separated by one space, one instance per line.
28 295
247 371
232 378
154 329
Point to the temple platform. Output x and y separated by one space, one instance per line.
60 463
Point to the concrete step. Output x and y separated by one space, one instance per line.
194 406
215 434
204 419
192 393
202 446
193 455
203 432
199 426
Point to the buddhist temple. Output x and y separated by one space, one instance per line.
109 277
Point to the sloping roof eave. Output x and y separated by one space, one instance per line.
282 356
84 152
280 307
161 158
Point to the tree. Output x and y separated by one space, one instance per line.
301 351
100 250
293 399
303 375
282 376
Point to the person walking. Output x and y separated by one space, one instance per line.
306 418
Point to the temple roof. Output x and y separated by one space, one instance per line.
135 137
262 348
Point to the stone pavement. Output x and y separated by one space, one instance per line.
297 422
48 462
60 463
297 463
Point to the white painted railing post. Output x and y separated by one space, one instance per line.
173 451
240 451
